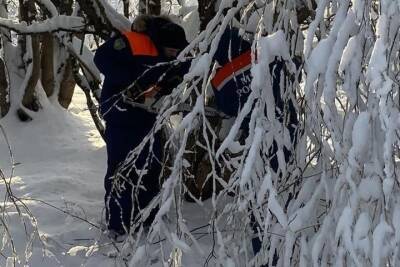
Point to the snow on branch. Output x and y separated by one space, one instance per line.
333 200
309 166
54 24
49 6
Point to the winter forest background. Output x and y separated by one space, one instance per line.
335 203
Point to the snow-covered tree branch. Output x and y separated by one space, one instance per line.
310 172
334 201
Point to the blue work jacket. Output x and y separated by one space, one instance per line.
123 60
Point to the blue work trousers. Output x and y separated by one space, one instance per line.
122 200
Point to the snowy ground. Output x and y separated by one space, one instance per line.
60 163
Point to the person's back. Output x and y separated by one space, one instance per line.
128 63
126 60
232 87
232 81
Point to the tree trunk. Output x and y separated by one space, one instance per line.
206 12
29 99
5 84
27 13
126 8
150 7
4 90
47 61
196 181
67 85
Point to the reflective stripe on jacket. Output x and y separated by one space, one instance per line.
141 44
233 68
122 60
231 83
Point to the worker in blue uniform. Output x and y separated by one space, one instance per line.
232 87
232 81
131 60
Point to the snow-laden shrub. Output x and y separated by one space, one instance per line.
336 201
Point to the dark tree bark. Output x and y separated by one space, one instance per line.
64 6
4 90
29 99
151 7
197 182
101 24
67 85
4 82
28 14
126 8
47 62
206 12
305 10
197 179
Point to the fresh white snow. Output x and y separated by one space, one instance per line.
60 162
